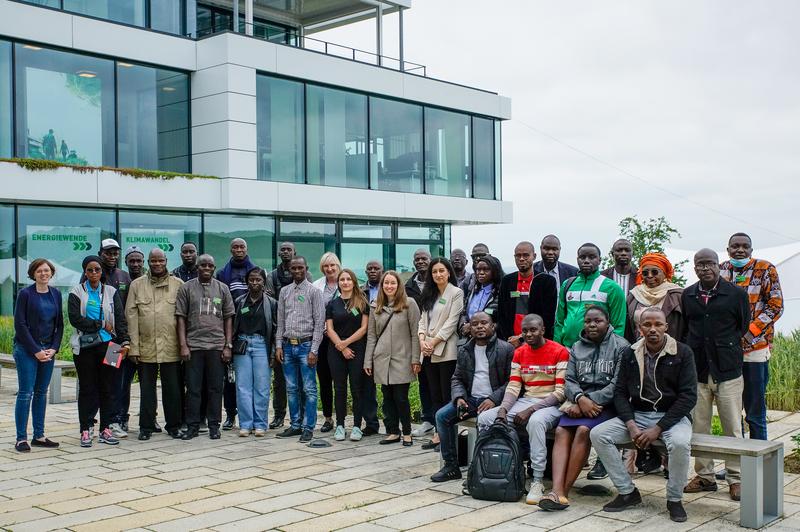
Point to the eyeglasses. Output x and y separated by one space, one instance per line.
94 270
650 273
704 266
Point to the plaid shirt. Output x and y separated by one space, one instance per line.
301 313
760 279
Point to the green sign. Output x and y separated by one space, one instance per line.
167 240
65 247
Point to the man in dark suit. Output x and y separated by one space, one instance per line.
551 251
524 292
623 272
717 316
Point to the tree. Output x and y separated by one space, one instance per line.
649 236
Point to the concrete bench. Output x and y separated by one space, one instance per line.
55 382
761 464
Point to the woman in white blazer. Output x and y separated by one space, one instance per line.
441 305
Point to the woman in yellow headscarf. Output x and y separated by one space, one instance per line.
654 288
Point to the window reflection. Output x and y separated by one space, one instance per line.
483 152
258 231
447 153
6 134
279 128
129 11
395 145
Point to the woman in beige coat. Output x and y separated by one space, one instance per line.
441 305
393 353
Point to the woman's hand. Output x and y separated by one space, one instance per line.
348 353
124 351
574 411
108 327
340 345
426 347
588 407
43 356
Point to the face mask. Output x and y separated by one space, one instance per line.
740 263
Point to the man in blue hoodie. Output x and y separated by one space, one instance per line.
234 274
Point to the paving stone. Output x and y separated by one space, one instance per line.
183 474
405 503
170 499
333 521
236 485
343 488
85 503
595 523
425 515
12 505
303 472
119 485
706 509
209 519
72 519
272 504
236 498
345 502
514 526
292 486
486 517
267 521
128 522
20 516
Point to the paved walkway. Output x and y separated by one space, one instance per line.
247 484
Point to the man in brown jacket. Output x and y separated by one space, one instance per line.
150 311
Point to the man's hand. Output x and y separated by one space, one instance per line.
516 341
521 419
633 430
124 351
588 407
461 404
226 354
279 354
647 436
186 355
487 404
368 371
465 329
312 360
574 411
416 368
502 414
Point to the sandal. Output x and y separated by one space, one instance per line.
552 502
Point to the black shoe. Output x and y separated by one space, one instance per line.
676 511
307 436
229 422
598 472
47 443
448 472
369 431
277 421
189 434
176 434
158 427
289 433
214 433
124 426
326 427
22 447
651 462
144 435
430 445
623 502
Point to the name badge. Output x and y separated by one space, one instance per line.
354 311
301 298
91 303
741 278
515 294
217 301
442 301
489 311
245 310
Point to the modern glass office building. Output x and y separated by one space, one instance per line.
296 138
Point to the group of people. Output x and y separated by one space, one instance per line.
602 358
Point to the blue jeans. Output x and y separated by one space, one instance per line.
756 377
252 383
446 420
34 378
298 373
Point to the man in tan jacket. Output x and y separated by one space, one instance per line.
150 311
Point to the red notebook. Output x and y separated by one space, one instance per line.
113 356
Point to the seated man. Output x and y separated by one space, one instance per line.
655 393
478 384
538 369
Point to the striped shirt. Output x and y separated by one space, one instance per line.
759 279
301 314
538 372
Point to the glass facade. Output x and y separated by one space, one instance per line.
410 238
167 15
395 145
258 231
483 158
312 239
363 242
448 170
280 129
65 106
129 11
153 118
166 231
6 101
7 274
336 122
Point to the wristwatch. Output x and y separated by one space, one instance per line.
229 345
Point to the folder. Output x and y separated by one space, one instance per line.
113 356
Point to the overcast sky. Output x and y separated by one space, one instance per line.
699 97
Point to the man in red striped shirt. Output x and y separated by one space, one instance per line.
538 369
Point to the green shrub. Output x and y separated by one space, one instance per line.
783 390
7 338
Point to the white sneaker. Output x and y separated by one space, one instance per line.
339 434
535 493
422 430
116 430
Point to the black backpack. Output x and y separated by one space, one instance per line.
496 472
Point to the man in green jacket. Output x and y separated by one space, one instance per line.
587 289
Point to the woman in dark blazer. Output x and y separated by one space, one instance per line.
38 327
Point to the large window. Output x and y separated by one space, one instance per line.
166 231
498 162
6 132
448 170
62 235
483 157
167 15
279 128
337 137
363 242
395 145
312 238
65 106
153 115
127 11
258 231
7 278
410 238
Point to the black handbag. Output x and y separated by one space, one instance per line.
239 347
90 340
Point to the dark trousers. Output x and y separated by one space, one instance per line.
278 390
325 377
229 395
754 398
439 375
428 411
344 370
122 391
208 365
171 391
369 402
446 421
185 395
396 408
96 383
